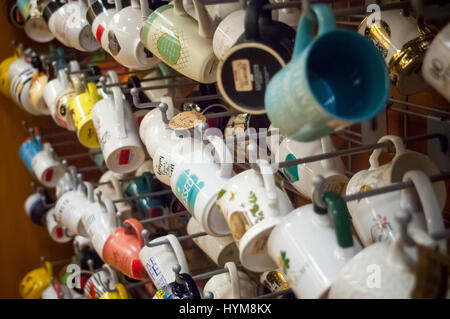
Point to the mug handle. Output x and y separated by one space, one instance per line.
205 27
148 179
137 227
120 112
89 191
251 20
62 78
111 211
121 290
269 185
76 83
325 19
92 91
399 150
337 208
116 185
135 5
234 278
178 250
225 157
118 5
428 199
112 273
178 8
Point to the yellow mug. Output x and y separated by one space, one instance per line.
119 293
5 83
80 108
36 281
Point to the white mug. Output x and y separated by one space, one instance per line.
312 244
219 249
117 133
99 220
233 284
181 42
197 181
114 190
100 282
228 32
71 27
252 206
71 207
301 176
99 14
436 63
159 260
124 43
46 168
384 270
58 233
373 217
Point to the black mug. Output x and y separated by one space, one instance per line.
261 51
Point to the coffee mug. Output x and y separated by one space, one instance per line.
301 176
178 40
71 207
373 217
228 32
144 184
99 14
57 232
36 281
36 209
219 249
46 167
259 53
101 282
71 27
20 89
114 190
124 43
197 181
233 284
252 206
117 132
29 149
403 41
311 266
36 27
5 82
316 90
384 270
99 220
436 66
160 260
122 249
119 292
81 107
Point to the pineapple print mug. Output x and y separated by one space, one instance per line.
176 38
81 107
252 206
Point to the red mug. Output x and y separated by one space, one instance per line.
122 249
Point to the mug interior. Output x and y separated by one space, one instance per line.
353 84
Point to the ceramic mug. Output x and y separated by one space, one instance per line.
124 43
36 281
101 282
403 42
233 284
436 66
99 220
301 176
178 40
20 90
259 53
373 217
114 189
29 149
159 260
197 180
384 270
71 207
36 27
228 32
46 167
5 82
219 249
252 206
58 233
122 249
81 107
38 82
36 209
328 99
311 266
99 14
71 27
119 292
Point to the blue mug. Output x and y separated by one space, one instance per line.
333 80
29 149
144 184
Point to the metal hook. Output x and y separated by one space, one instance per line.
181 238
119 218
90 263
319 185
137 103
102 81
208 295
177 269
404 217
98 193
163 107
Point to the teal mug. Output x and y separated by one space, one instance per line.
334 80
144 184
